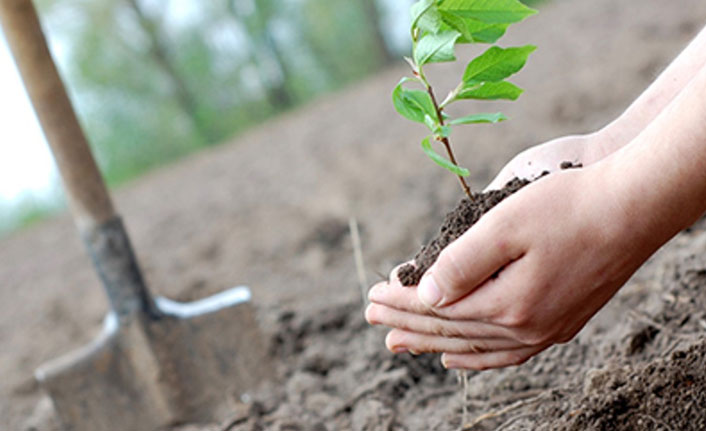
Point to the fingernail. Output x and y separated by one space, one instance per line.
450 365
444 362
374 293
428 292
368 316
400 349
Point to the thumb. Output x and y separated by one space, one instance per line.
468 262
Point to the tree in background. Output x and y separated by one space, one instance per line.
158 51
154 80
258 19
375 23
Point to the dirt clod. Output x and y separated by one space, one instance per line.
458 221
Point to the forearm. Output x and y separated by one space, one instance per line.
663 170
654 99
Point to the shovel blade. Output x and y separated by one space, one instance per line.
142 374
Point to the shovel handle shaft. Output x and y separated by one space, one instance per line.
85 189
101 228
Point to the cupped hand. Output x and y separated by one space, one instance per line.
529 274
548 157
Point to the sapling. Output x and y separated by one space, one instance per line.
437 27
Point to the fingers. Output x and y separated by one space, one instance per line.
377 314
469 261
398 340
394 295
485 361
479 306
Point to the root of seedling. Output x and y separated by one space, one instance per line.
463 379
512 420
466 426
642 317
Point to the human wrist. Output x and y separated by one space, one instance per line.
633 201
654 196
607 140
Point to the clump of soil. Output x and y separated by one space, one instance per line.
647 398
458 221
466 214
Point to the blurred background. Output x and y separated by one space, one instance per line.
153 81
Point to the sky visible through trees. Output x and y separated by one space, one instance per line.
154 80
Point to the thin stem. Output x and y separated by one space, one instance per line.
445 141
451 97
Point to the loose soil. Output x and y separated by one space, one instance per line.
467 213
646 373
456 222
271 211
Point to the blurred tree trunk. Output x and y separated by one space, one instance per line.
159 53
333 72
262 42
279 94
376 24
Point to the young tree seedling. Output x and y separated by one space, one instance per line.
437 27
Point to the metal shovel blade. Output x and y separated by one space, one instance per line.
140 374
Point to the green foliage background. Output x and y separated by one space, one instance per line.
152 85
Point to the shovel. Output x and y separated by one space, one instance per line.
157 362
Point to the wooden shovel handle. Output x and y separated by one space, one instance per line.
87 194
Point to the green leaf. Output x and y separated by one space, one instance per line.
436 128
479 118
441 161
489 34
489 91
432 124
490 11
471 29
436 48
496 63
444 131
458 23
426 16
412 104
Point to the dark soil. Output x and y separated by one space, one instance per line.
645 371
636 393
648 397
466 214
458 221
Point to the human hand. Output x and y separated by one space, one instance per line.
548 157
529 274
